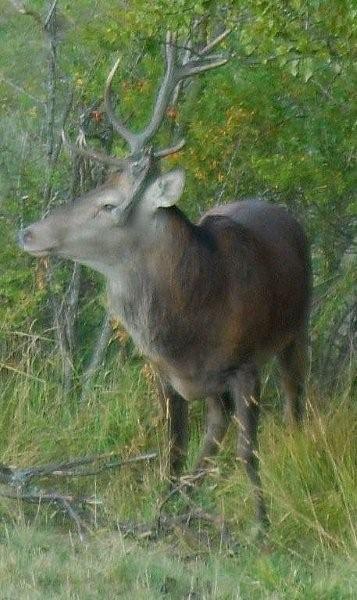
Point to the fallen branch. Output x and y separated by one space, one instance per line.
16 482
66 503
21 477
168 524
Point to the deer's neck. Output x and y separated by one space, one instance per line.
160 294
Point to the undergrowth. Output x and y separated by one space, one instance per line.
309 477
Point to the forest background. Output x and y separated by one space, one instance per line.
278 121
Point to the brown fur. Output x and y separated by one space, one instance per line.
239 289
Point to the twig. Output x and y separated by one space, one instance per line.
50 14
75 517
169 523
35 495
65 502
185 482
17 482
97 355
21 477
19 372
21 90
65 117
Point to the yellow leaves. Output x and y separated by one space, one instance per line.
119 333
32 112
172 113
149 373
200 175
78 81
237 114
174 157
41 274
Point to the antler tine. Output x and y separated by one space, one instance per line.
166 89
91 154
173 75
203 62
134 140
195 67
171 150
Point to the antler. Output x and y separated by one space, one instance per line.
117 123
92 154
173 75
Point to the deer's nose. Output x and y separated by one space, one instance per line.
25 236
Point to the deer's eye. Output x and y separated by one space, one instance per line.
108 207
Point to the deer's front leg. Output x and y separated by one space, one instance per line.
177 417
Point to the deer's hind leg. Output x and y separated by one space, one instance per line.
217 420
245 388
293 362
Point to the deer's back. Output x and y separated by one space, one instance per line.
271 224
272 246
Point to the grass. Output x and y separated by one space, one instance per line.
37 563
310 481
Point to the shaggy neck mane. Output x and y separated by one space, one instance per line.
185 259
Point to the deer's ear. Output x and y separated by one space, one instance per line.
165 190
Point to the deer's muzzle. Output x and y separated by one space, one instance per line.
32 242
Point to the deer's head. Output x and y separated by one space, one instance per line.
105 225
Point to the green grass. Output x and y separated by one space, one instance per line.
310 481
37 563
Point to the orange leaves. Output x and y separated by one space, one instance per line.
141 85
172 113
97 116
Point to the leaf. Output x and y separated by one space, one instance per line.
294 67
337 68
307 69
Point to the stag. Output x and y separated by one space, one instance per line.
207 303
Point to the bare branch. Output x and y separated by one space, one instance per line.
214 42
196 67
52 81
21 477
50 14
66 114
17 482
98 354
35 496
186 482
21 90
